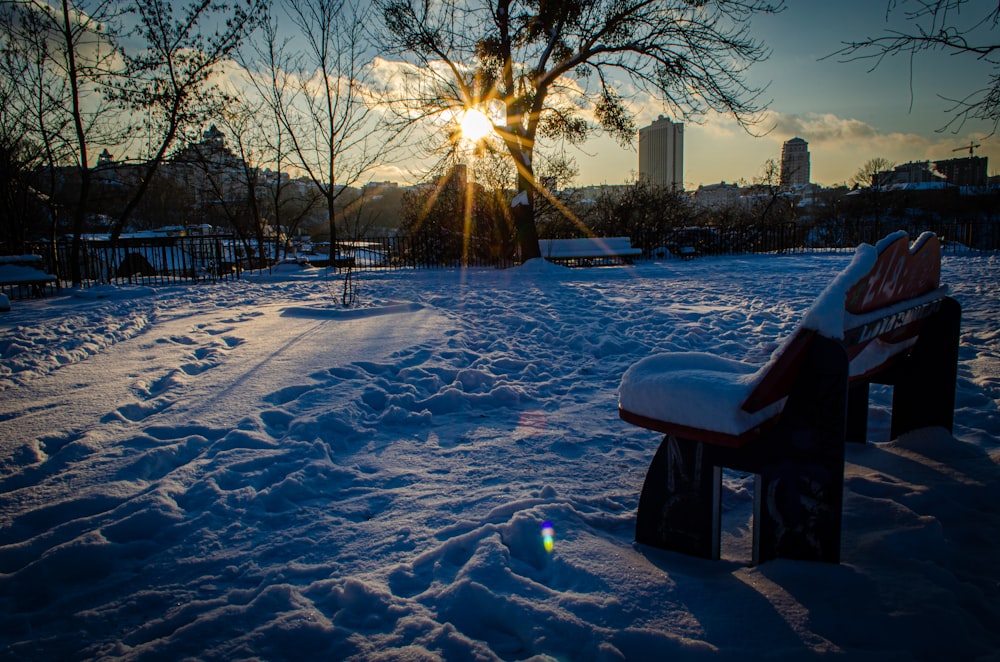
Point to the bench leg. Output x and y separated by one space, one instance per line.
923 392
800 486
797 511
799 464
679 506
857 412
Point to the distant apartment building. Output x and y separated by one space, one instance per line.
968 171
964 172
376 186
795 163
717 195
908 174
661 154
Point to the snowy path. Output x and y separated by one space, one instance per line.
211 370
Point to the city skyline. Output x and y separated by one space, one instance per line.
846 113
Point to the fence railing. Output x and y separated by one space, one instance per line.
790 237
172 260
420 251
153 260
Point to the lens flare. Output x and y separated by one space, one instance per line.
475 125
548 536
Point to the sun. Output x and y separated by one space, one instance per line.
475 125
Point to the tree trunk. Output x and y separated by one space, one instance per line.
57 268
523 213
80 212
75 253
332 218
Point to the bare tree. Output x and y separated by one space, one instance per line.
170 80
83 89
954 27
20 155
870 181
643 211
263 108
771 203
542 64
68 56
19 202
873 174
319 90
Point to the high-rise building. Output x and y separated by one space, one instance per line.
661 153
795 162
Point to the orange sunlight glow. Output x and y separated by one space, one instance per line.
475 125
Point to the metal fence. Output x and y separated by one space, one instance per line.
419 251
158 260
429 252
956 237
154 260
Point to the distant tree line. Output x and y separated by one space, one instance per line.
145 78
458 223
68 86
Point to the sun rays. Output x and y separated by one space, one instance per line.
477 138
475 125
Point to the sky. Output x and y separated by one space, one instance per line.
846 113
248 470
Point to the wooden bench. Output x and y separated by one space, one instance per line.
24 275
885 319
587 251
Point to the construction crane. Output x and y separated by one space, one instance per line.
971 146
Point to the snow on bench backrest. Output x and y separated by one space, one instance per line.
870 306
24 260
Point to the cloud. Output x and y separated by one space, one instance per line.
819 127
827 131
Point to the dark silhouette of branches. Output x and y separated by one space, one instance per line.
319 91
64 55
961 28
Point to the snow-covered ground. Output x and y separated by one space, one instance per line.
247 470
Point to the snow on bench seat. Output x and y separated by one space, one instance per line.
18 272
695 390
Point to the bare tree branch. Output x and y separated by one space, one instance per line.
322 97
942 26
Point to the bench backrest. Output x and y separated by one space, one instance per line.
900 272
882 296
27 260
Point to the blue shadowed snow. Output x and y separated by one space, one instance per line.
247 470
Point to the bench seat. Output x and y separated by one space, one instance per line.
693 390
24 272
